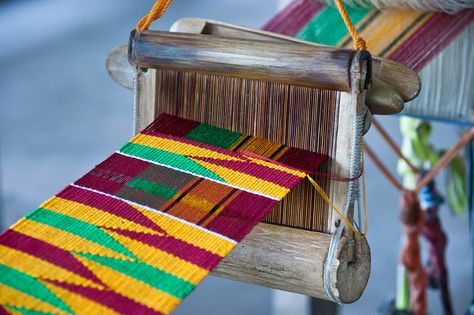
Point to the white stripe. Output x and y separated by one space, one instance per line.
157 211
198 175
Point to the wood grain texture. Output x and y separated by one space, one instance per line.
404 80
293 260
313 66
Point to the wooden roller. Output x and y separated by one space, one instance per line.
393 83
400 84
312 66
330 264
294 260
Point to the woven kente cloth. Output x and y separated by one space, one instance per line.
407 36
137 233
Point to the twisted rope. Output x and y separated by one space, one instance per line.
158 9
359 42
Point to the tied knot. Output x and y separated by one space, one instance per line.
360 43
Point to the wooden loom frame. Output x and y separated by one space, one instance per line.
312 263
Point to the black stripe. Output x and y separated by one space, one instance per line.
406 31
362 27
217 206
247 138
184 193
277 151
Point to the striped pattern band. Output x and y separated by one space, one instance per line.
137 233
407 36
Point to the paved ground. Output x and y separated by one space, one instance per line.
60 114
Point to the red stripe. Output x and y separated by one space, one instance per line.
108 204
171 125
275 176
3 311
178 248
431 38
112 174
113 300
241 215
293 18
42 250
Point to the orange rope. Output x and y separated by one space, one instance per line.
348 222
158 9
359 42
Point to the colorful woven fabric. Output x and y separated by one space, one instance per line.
137 233
407 36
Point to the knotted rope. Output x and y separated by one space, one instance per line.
359 42
160 7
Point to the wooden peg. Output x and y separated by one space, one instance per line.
118 67
383 99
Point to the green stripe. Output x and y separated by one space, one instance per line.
28 311
148 274
177 161
328 28
77 227
215 136
27 284
152 188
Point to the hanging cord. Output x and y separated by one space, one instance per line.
391 143
158 9
348 222
359 42
466 137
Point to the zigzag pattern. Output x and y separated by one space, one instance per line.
137 233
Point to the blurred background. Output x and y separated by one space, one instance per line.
61 114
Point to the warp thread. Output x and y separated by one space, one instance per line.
412 220
430 200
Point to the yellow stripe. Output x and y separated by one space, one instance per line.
409 34
348 38
246 181
277 167
180 148
386 27
79 304
187 233
198 203
93 215
64 240
132 288
172 227
39 268
162 260
13 297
